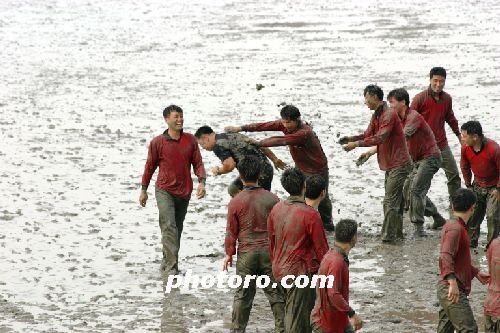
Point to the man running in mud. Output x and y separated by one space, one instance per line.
297 244
173 152
386 132
456 270
231 148
481 157
247 223
435 105
332 313
492 301
304 147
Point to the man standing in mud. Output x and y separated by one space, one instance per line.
435 105
481 157
297 244
173 152
492 301
247 223
231 148
304 147
386 132
456 270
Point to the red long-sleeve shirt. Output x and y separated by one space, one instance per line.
297 240
485 164
419 137
332 304
174 157
247 216
492 301
303 144
454 255
386 132
436 113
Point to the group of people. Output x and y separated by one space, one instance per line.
288 237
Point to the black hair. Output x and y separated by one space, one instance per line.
374 90
292 180
249 168
315 184
472 127
345 230
171 108
463 199
203 130
440 71
399 95
290 112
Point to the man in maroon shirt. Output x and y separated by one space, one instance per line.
481 157
492 301
332 313
385 132
304 147
456 270
247 223
297 244
173 152
435 105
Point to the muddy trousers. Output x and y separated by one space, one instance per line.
265 181
454 317
299 303
491 324
488 205
416 187
325 206
172 211
317 329
392 228
449 165
256 263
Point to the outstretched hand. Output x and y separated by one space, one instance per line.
232 129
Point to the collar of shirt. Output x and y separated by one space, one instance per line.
168 137
380 109
483 143
434 94
295 198
462 222
250 187
342 252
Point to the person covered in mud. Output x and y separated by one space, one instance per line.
386 132
332 313
456 270
304 147
231 148
492 301
481 156
436 106
247 223
297 244
173 152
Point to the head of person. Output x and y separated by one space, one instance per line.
174 117
463 201
206 137
437 77
293 181
472 133
346 231
374 95
315 187
249 169
399 100
290 117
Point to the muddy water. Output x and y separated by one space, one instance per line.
82 88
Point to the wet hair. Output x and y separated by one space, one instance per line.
472 127
203 130
399 95
374 90
440 71
290 112
249 168
292 180
315 184
463 199
171 108
345 230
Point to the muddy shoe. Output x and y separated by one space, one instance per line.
329 227
419 231
439 221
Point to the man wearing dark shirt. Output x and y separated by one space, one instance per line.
297 244
385 132
247 224
230 148
304 147
173 152
481 157
456 270
435 105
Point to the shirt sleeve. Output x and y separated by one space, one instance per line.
263 127
417 102
335 298
151 164
465 166
271 235
412 125
451 120
449 248
298 138
387 122
232 230
496 157
197 162
368 132
317 234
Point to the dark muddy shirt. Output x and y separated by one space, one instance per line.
485 164
419 137
492 302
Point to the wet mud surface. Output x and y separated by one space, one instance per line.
82 87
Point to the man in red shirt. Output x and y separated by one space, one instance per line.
492 301
481 157
304 147
297 244
435 105
332 313
173 152
247 223
456 270
385 132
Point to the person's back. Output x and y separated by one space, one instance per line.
422 143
